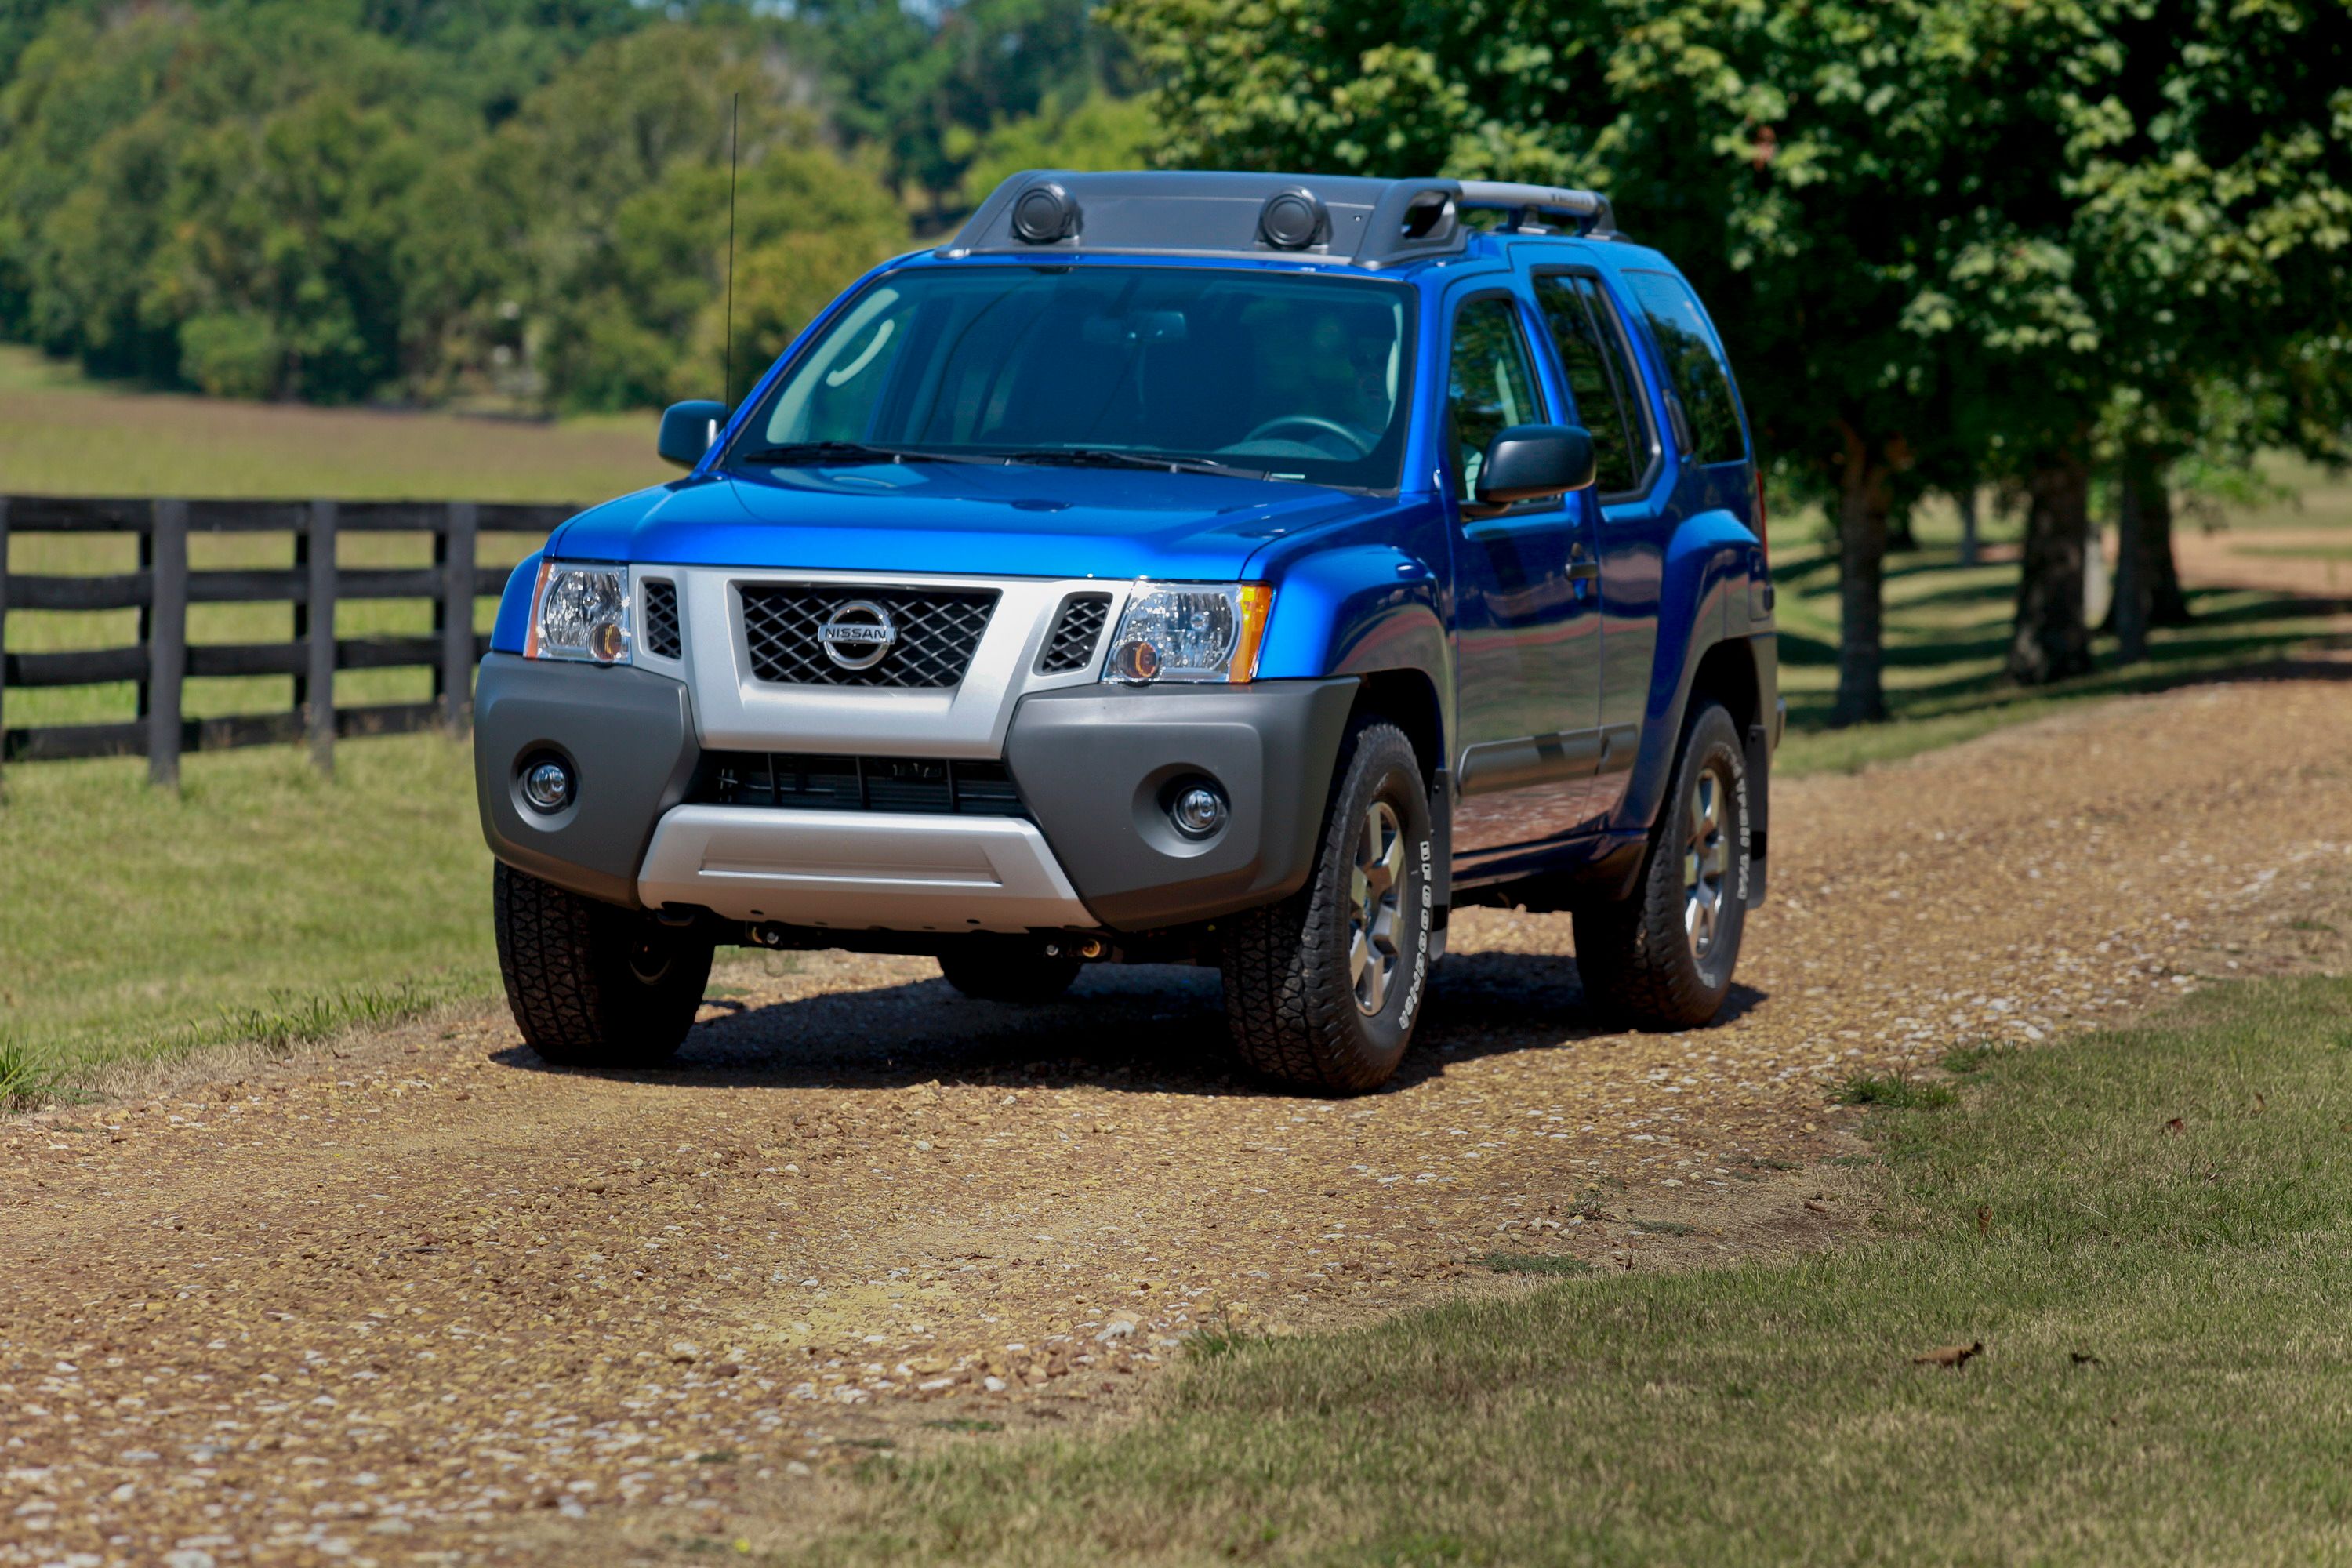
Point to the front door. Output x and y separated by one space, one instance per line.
1526 628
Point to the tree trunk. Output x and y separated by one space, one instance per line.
2167 605
1965 497
2050 641
1899 536
2132 596
1864 498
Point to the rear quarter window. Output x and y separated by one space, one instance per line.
1697 375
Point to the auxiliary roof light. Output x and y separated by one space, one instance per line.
1044 213
1294 219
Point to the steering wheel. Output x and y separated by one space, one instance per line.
1314 422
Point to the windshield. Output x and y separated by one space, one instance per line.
1264 373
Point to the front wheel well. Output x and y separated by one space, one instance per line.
1407 698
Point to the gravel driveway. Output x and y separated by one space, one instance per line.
425 1297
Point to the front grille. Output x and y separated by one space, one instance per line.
661 619
803 782
938 630
1071 645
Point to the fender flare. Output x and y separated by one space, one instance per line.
1706 576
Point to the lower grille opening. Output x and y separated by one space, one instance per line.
796 780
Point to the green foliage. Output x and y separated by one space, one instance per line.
1096 132
524 200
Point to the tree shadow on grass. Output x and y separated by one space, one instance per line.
1147 1029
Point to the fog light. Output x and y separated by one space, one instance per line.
547 785
1198 811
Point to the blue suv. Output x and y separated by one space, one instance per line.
1216 568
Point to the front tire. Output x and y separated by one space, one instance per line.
592 984
1322 989
1663 958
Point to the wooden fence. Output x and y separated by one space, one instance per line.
163 587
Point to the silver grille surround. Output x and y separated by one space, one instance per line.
734 710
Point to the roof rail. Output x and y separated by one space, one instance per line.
1596 219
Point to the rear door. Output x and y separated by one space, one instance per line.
1528 646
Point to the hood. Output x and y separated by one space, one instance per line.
964 518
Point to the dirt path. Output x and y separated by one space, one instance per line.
426 1302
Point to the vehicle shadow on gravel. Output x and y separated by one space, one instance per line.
1146 1029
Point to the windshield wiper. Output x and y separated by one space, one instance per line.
797 452
1111 456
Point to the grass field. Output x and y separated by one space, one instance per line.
2166 1373
133 922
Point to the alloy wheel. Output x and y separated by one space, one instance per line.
1376 889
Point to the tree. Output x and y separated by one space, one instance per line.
1826 173
2203 158
606 197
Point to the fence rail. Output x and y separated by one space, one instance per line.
163 586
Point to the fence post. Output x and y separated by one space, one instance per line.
167 641
4 631
318 687
457 614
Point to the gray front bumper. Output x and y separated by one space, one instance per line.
1093 765
628 735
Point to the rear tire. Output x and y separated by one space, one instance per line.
1663 958
1006 969
1322 989
592 984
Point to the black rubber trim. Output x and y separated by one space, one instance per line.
628 736
1095 765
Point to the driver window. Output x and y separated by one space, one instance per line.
1494 384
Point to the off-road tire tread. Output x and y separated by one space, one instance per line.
1283 1025
1634 954
558 954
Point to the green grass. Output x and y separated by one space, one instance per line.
1536 1263
63 434
2316 551
1891 1090
1947 634
1772 1413
259 902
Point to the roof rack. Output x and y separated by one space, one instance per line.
1365 222
1527 204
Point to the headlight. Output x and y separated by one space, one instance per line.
581 612
1190 632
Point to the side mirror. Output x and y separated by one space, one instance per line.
687 430
1535 462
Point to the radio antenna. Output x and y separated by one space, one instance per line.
734 142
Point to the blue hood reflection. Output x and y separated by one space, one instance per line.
970 519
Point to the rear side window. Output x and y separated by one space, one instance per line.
1695 367
1494 383
1608 399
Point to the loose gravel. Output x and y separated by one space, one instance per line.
422 1300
